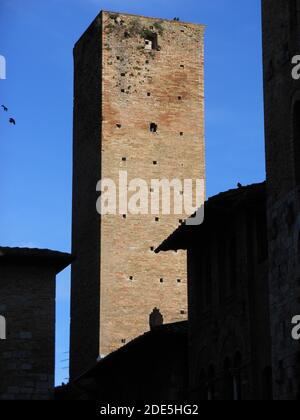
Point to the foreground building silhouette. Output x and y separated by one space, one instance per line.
229 326
281 36
27 302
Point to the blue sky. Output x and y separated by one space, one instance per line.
37 38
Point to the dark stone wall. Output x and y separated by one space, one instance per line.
280 43
229 308
27 356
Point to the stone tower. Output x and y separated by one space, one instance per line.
139 108
281 36
27 305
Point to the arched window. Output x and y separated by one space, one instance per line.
296 140
203 386
237 382
232 263
208 280
298 248
222 266
294 9
228 391
267 384
211 384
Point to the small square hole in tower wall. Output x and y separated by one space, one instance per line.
153 128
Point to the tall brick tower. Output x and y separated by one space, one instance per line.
139 107
281 36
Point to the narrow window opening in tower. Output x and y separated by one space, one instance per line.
123 90
181 133
161 280
179 98
124 159
152 249
182 66
151 42
154 162
131 278
148 94
153 128
119 125
299 247
157 219
118 58
178 280
123 74
123 341
296 139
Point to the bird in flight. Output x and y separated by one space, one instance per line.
12 121
4 108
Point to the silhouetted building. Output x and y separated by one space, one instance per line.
281 36
27 303
153 367
229 327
